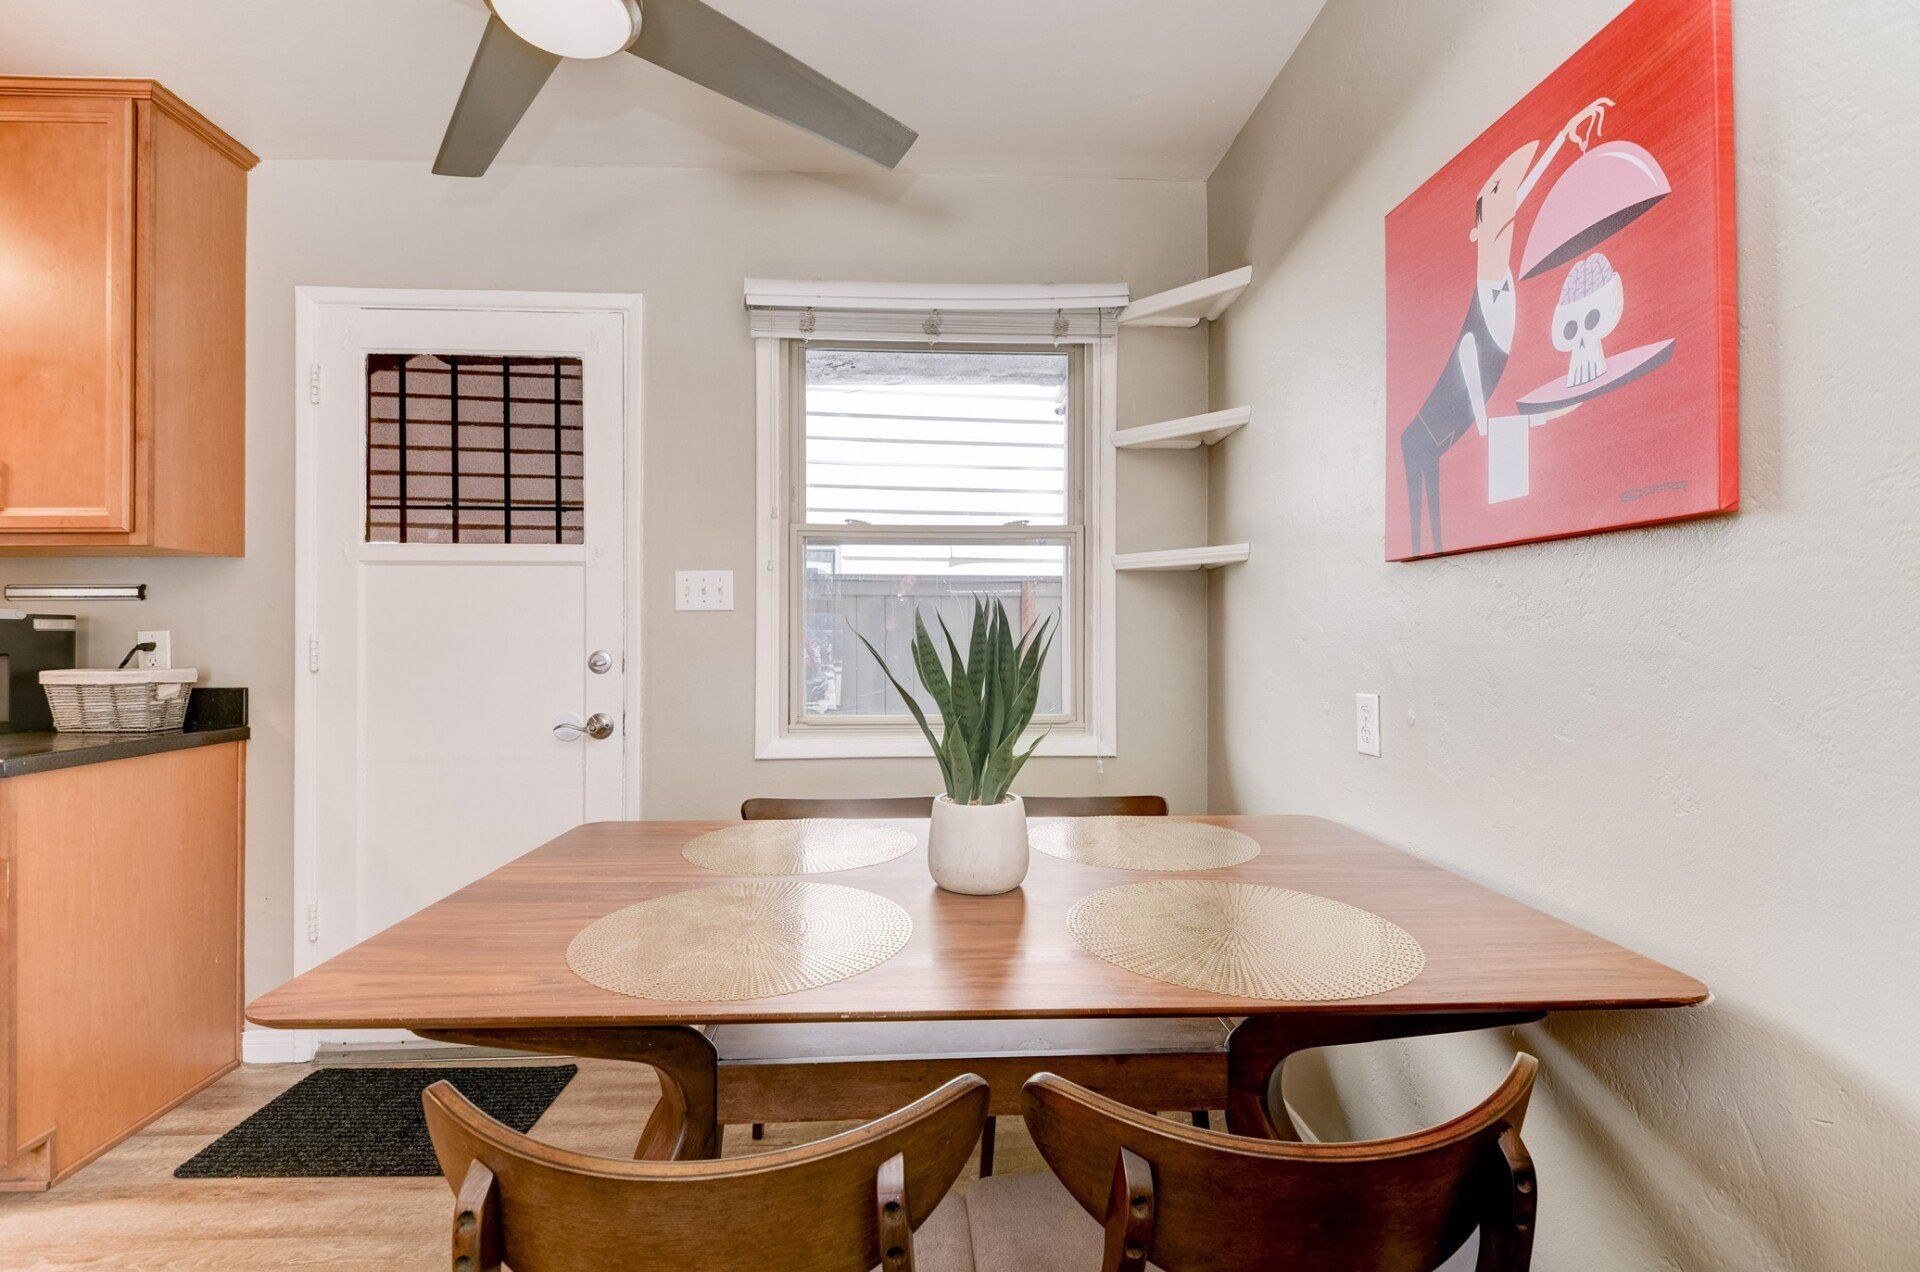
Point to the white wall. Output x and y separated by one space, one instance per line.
1699 740
686 239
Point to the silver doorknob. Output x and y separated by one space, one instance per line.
599 662
569 728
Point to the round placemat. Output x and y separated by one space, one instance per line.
739 940
1246 939
810 845
1141 843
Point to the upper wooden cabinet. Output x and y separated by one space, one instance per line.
123 240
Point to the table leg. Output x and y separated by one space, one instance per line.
1259 1046
684 1125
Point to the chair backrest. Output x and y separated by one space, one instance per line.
922 806
1184 1198
843 1204
772 809
1096 806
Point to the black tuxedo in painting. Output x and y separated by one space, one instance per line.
1447 414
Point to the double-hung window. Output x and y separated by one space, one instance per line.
910 477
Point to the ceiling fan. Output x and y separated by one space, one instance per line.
526 39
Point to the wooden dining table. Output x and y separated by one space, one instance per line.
487 965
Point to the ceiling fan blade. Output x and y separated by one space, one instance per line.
692 40
506 75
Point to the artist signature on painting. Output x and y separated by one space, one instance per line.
1628 496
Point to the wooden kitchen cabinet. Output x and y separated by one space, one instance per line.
120 937
123 230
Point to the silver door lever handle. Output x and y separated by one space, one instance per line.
570 728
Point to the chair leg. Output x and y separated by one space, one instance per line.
986 1149
759 1130
1201 1120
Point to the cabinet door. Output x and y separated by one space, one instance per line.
66 313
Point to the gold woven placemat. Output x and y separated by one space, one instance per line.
1141 843
739 940
810 845
1246 939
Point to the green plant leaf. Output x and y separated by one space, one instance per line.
1020 761
1006 662
1032 652
1028 677
977 652
931 675
998 772
966 705
919 716
960 782
1024 703
996 708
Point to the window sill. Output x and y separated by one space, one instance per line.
856 744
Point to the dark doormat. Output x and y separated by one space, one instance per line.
368 1122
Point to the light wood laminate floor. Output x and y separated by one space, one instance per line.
128 1211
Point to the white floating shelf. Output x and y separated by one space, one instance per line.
1185 306
1184 558
1184 434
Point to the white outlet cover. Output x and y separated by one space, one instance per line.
703 589
1366 723
160 658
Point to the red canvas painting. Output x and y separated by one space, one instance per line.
1561 351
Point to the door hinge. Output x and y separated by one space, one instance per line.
313 653
313 384
313 922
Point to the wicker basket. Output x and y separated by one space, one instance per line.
90 700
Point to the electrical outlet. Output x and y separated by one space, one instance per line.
1366 722
703 589
160 657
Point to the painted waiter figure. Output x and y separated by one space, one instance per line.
1460 397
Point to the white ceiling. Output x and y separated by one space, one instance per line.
1116 88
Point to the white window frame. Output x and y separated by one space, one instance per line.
777 734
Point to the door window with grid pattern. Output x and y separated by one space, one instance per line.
474 448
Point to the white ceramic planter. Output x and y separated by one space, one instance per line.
978 849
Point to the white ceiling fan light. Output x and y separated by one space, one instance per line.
572 28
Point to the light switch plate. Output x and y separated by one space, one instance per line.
1366 723
703 589
160 657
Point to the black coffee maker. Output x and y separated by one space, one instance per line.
29 645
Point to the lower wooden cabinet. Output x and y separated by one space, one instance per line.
120 950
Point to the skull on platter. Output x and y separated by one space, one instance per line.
1590 307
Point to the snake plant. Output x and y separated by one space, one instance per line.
986 700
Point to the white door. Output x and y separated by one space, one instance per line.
463 571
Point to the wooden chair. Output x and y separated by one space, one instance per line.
786 1073
1163 1196
844 1204
774 809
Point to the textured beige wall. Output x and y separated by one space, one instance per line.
685 240
1698 740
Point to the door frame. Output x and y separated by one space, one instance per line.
308 304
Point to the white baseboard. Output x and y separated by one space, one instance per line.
275 1046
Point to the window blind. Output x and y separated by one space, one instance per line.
908 436
1071 313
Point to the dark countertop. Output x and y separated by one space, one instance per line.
213 716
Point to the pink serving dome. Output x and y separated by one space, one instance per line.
1600 191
